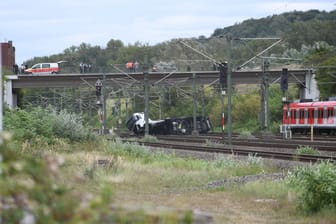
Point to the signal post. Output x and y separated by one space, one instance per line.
100 104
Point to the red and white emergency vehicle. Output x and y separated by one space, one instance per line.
44 68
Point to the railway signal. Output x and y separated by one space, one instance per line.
98 85
223 72
101 105
284 80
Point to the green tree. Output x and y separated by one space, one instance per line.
112 50
323 57
245 111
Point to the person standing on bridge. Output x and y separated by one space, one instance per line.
15 69
81 67
129 66
136 66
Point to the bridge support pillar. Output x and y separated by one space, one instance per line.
10 96
309 90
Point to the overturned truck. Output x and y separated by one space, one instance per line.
168 126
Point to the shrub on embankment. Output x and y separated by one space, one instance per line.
315 186
46 124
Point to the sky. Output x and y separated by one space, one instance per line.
46 27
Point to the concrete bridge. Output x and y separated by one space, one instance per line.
127 80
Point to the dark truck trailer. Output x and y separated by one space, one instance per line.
168 126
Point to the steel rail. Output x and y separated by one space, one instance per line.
237 150
271 143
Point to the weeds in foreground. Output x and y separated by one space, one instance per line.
306 150
32 189
252 165
315 186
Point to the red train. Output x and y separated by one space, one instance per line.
302 117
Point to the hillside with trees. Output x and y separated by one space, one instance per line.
298 30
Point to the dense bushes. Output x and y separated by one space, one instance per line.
70 126
245 111
27 125
315 185
45 123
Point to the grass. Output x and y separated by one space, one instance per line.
139 177
306 150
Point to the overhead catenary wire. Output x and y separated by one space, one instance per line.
199 52
263 51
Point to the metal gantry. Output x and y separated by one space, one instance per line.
114 87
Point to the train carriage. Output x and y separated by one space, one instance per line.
302 117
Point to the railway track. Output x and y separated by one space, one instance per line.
296 137
234 149
274 144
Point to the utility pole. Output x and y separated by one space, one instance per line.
223 73
104 106
194 132
146 86
285 101
265 121
229 85
162 100
202 100
146 102
126 106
